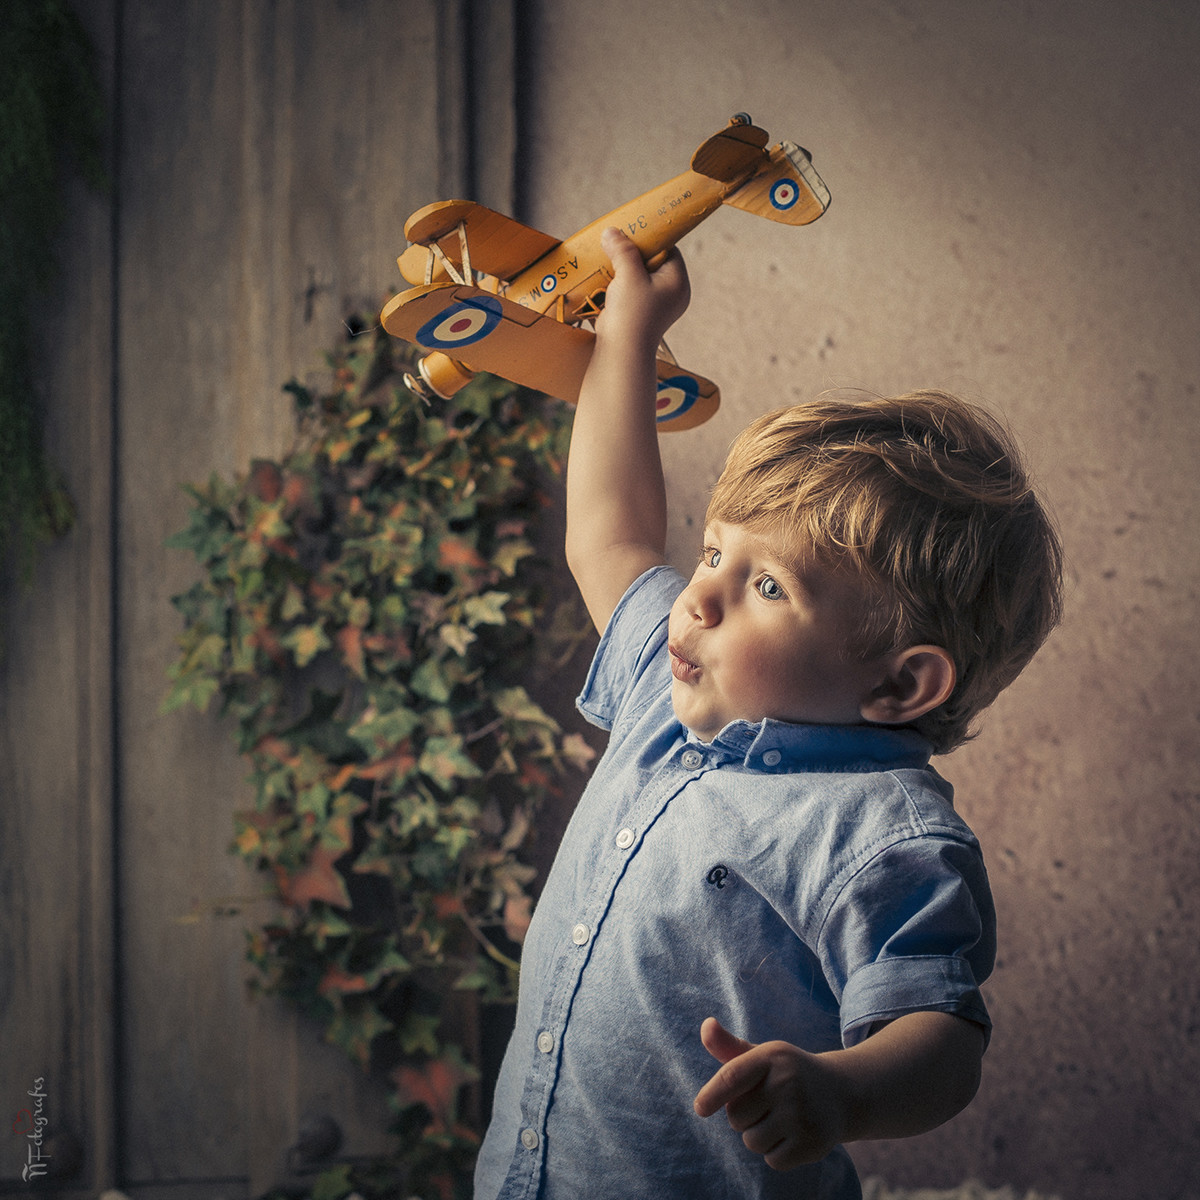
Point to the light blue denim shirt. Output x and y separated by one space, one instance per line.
797 882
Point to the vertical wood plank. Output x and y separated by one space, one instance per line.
56 784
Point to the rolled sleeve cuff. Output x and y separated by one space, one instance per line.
882 991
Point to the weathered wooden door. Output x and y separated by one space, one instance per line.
264 156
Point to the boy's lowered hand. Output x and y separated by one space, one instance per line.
792 1107
785 1102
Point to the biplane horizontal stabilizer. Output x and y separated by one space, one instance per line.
786 188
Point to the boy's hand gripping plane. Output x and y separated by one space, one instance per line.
494 295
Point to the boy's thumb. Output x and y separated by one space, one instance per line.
720 1043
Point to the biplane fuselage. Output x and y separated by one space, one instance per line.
576 273
475 270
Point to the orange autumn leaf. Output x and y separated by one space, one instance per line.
392 766
266 480
277 748
338 980
350 642
447 904
435 1085
533 775
453 552
317 881
343 777
296 490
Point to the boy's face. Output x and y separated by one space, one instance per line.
752 636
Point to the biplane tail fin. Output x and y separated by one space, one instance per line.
786 188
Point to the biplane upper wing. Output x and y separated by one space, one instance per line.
486 332
497 244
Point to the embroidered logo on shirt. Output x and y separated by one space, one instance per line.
721 877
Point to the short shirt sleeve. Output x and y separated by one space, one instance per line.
630 667
912 930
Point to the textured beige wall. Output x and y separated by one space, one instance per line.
1014 218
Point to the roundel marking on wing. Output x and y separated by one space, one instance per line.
460 324
549 283
675 396
784 194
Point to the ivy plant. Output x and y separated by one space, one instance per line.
369 614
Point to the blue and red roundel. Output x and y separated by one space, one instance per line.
675 396
460 324
784 194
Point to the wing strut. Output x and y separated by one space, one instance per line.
464 275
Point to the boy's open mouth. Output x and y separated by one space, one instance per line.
681 668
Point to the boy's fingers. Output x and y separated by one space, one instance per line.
618 246
737 1074
734 1079
720 1043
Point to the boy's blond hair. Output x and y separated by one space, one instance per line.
924 496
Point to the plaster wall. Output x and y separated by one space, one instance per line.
1013 219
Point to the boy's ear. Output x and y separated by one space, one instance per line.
916 681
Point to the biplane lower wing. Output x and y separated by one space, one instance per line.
486 332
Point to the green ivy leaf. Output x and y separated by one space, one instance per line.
516 704
443 760
430 680
487 609
333 1183
306 643
417 1034
355 1026
458 638
510 554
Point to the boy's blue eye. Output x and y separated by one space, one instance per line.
711 556
769 589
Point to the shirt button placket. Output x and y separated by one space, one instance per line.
690 759
625 839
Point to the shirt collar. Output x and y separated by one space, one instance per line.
781 746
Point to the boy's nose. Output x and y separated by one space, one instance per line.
703 603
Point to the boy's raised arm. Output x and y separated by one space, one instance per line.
616 501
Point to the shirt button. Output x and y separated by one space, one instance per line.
529 1139
691 759
545 1041
772 758
625 839
579 935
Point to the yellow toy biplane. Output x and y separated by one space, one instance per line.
494 295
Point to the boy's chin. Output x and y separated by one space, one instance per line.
687 717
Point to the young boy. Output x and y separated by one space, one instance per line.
765 902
